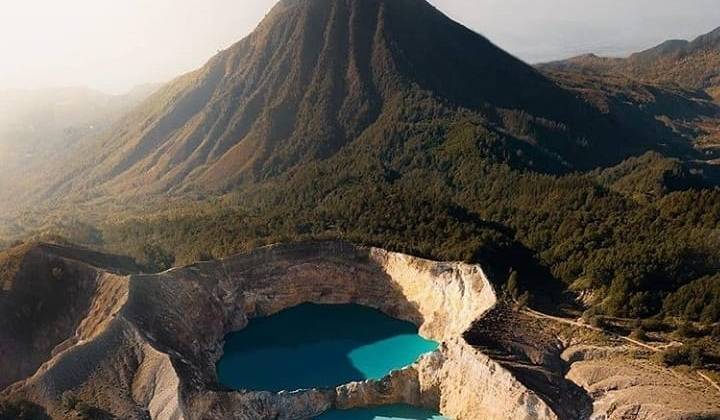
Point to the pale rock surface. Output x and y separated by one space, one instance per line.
473 386
622 388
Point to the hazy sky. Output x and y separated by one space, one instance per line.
113 45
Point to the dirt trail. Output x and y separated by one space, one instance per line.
539 315
573 322
709 380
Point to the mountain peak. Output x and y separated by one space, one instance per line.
313 78
681 47
479 69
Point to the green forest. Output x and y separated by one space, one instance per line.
638 240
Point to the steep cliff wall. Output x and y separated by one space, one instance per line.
473 386
458 380
449 296
156 386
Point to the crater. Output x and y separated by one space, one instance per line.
319 346
177 336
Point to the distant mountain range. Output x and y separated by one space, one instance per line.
33 120
693 66
690 64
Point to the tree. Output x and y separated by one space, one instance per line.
715 332
21 410
156 258
69 401
512 287
683 355
523 301
684 330
596 321
639 334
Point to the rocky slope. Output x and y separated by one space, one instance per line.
152 349
584 374
46 295
145 346
624 387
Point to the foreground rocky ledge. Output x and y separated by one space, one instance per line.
146 345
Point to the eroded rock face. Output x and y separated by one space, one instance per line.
584 374
50 303
470 382
448 296
460 380
443 299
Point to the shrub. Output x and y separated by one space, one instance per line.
639 334
69 401
512 287
21 410
81 410
85 411
523 301
684 330
587 314
715 332
596 321
682 355
155 258
653 324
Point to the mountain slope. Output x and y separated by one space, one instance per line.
40 128
387 136
316 75
34 123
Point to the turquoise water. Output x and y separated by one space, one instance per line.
318 346
391 412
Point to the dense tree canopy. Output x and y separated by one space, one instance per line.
639 236
642 255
